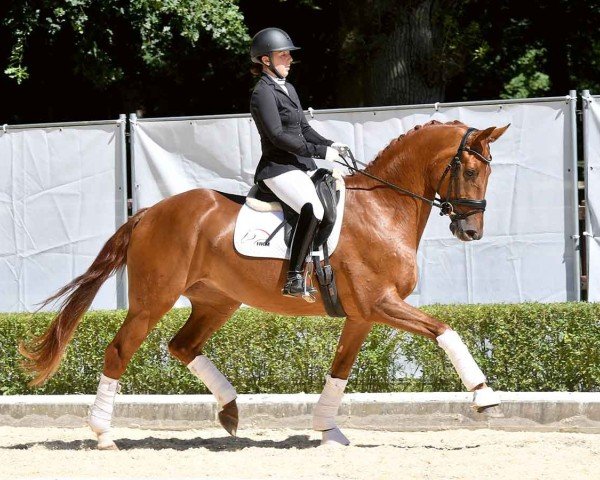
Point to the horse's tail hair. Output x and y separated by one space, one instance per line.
43 354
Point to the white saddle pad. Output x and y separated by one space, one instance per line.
253 227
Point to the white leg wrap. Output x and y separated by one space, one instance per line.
485 397
214 380
327 407
102 410
463 362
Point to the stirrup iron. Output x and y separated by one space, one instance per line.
297 287
309 289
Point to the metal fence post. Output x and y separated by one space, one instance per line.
121 204
586 99
134 185
575 212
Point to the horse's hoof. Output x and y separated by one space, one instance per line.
105 442
485 398
492 411
228 418
334 437
108 446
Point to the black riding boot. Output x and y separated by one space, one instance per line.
301 245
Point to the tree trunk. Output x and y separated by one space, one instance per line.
405 71
405 65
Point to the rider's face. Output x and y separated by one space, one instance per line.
281 61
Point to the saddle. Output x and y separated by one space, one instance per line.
262 199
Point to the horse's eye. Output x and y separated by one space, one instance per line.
470 173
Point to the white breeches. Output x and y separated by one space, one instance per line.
295 188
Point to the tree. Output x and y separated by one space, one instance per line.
525 49
128 53
87 59
399 51
422 51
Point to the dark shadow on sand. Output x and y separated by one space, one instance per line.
229 444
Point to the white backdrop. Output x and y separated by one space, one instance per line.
591 146
175 155
526 253
62 196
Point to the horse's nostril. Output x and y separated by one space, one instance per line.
472 234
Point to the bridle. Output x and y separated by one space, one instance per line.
446 204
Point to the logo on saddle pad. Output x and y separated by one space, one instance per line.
255 237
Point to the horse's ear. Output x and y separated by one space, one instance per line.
497 133
482 135
489 135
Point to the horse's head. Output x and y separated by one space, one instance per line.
462 181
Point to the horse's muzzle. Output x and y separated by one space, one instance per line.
461 230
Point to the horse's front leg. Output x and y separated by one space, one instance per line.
393 311
353 335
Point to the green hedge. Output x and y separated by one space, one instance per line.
524 347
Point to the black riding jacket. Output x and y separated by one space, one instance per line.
288 142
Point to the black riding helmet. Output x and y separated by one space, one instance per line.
267 41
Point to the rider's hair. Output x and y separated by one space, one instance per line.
256 70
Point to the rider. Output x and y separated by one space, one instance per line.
289 145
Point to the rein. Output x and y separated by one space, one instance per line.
446 204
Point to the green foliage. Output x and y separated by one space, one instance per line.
525 347
149 31
528 80
511 52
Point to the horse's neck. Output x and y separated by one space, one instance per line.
389 211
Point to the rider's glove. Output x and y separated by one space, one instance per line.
332 155
342 148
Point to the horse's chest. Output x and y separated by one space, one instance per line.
404 262
397 266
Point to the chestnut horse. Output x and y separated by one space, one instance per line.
183 245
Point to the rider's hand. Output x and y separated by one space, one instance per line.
340 147
332 155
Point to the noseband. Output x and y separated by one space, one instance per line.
447 204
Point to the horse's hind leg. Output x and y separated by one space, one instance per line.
206 318
140 320
353 335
